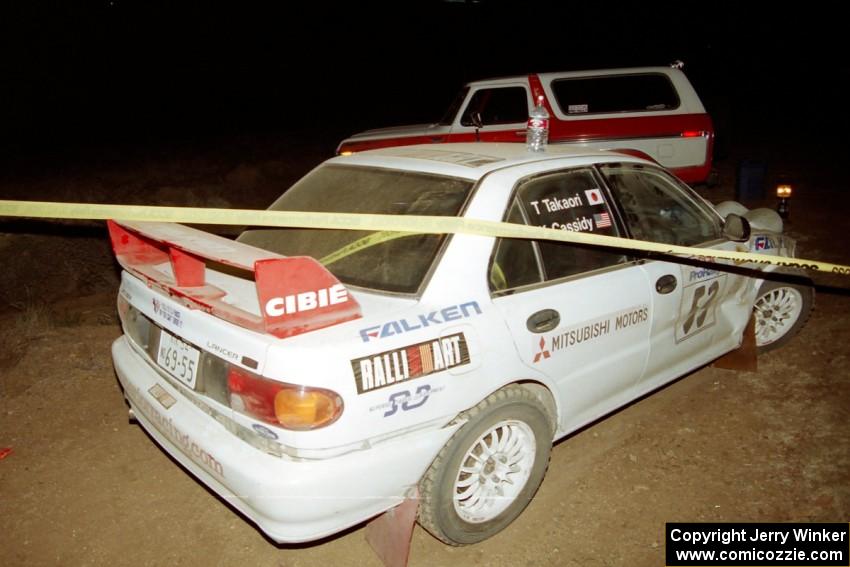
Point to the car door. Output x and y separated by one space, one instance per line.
699 311
579 315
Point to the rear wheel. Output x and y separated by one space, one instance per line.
781 309
487 473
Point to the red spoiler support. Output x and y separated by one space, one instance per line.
296 294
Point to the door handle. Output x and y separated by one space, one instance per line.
519 132
542 321
666 284
437 139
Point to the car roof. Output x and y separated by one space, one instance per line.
473 160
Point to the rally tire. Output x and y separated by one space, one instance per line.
490 469
781 309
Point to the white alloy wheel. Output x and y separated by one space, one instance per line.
780 311
489 470
494 471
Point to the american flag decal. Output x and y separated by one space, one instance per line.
602 220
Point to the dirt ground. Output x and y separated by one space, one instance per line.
82 486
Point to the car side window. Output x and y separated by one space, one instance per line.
567 200
659 208
514 261
505 105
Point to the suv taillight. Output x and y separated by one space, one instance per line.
287 405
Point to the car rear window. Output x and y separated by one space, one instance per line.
382 260
615 93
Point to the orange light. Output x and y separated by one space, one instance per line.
303 408
783 191
346 153
289 405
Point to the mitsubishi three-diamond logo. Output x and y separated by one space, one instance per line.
543 352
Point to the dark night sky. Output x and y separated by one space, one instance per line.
122 71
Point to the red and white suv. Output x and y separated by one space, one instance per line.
651 112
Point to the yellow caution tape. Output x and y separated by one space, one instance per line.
388 223
362 243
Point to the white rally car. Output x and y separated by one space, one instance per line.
315 378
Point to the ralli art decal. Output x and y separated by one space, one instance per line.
410 362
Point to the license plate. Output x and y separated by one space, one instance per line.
178 358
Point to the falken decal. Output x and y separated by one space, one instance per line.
436 317
409 363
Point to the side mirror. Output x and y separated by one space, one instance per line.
736 228
476 121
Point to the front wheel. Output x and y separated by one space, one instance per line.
781 309
487 473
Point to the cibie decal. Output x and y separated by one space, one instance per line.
167 313
436 317
306 301
586 332
408 363
594 197
763 243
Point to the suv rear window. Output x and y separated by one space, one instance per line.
615 93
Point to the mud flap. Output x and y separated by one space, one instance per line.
744 357
390 533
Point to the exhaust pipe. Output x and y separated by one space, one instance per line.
131 416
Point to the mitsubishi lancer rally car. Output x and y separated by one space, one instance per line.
315 378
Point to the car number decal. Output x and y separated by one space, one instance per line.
700 298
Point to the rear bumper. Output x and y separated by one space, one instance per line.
290 500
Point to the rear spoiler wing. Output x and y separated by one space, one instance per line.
296 294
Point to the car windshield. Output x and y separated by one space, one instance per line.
386 261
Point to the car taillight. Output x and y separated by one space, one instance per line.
288 405
694 133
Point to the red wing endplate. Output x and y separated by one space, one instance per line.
296 294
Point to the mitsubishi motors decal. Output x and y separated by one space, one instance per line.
410 362
551 344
